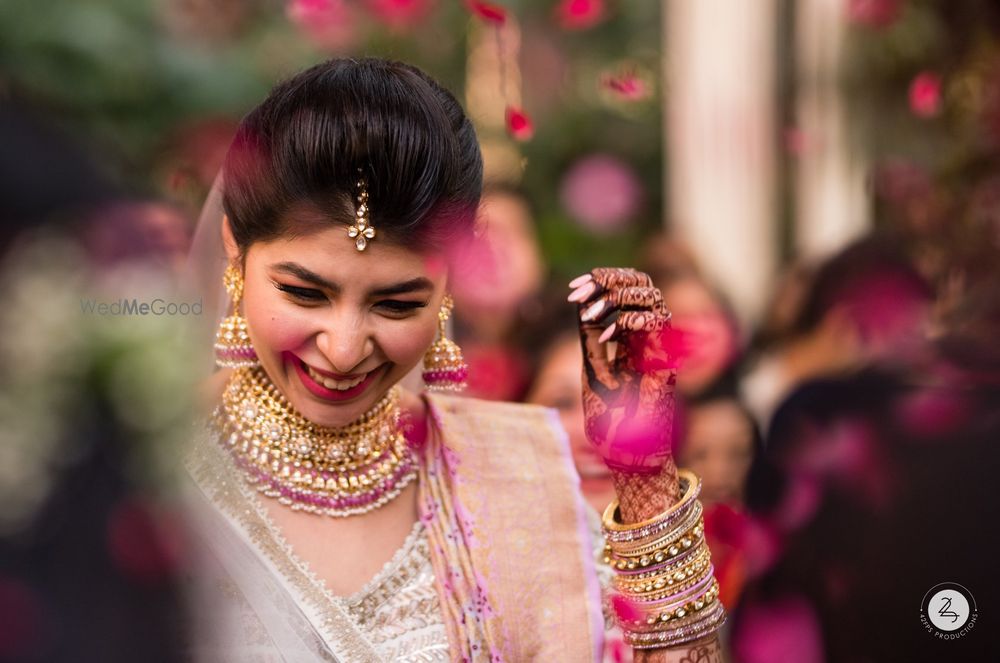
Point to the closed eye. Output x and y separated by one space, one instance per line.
308 294
400 306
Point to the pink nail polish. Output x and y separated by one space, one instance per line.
580 280
581 293
593 311
608 333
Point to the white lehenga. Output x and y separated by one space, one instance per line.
257 601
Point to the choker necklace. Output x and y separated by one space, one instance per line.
330 471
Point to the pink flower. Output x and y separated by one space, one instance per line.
487 11
625 609
782 630
579 14
399 13
328 23
626 86
878 14
925 94
145 541
519 125
602 193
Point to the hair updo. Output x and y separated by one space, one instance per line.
294 163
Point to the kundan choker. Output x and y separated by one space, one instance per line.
331 471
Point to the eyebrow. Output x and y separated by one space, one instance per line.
297 270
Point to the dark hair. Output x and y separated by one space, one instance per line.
857 271
300 152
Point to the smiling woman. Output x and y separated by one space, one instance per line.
346 518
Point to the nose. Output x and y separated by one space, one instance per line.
346 341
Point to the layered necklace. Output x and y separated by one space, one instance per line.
330 471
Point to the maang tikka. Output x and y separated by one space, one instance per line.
444 367
233 348
361 232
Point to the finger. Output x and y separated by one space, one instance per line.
637 297
611 278
583 293
595 311
641 321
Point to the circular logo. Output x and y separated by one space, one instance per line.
948 611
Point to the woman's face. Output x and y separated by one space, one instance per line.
718 447
335 327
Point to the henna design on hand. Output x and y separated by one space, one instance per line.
628 396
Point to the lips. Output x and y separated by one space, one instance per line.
332 387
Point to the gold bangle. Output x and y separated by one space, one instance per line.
691 527
616 531
665 578
685 541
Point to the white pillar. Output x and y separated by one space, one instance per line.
720 137
831 205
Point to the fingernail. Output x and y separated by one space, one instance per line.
581 293
580 280
593 311
608 333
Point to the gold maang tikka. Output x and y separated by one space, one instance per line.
361 232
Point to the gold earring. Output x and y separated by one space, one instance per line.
233 348
444 367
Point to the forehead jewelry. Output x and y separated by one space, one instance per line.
362 230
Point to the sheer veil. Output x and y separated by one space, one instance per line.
205 265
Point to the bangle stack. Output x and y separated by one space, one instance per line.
664 569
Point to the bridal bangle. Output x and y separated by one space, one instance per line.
664 570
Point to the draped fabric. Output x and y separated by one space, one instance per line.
500 566
510 543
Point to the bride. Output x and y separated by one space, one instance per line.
347 518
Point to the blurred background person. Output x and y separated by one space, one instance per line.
500 297
867 303
557 385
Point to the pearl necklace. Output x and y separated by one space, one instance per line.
330 471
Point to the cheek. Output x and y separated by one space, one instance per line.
404 342
276 327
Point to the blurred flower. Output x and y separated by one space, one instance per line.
330 24
626 86
398 14
579 14
601 192
899 181
925 94
625 609
785 629
198 150
145 542
519 125
21 616
932 412
878 14
488 12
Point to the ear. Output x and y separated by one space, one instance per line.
228 241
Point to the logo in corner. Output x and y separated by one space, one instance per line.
948 611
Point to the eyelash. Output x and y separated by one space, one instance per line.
308 294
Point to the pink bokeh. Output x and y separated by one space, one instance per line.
602 193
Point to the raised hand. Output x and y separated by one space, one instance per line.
628 382
628 400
